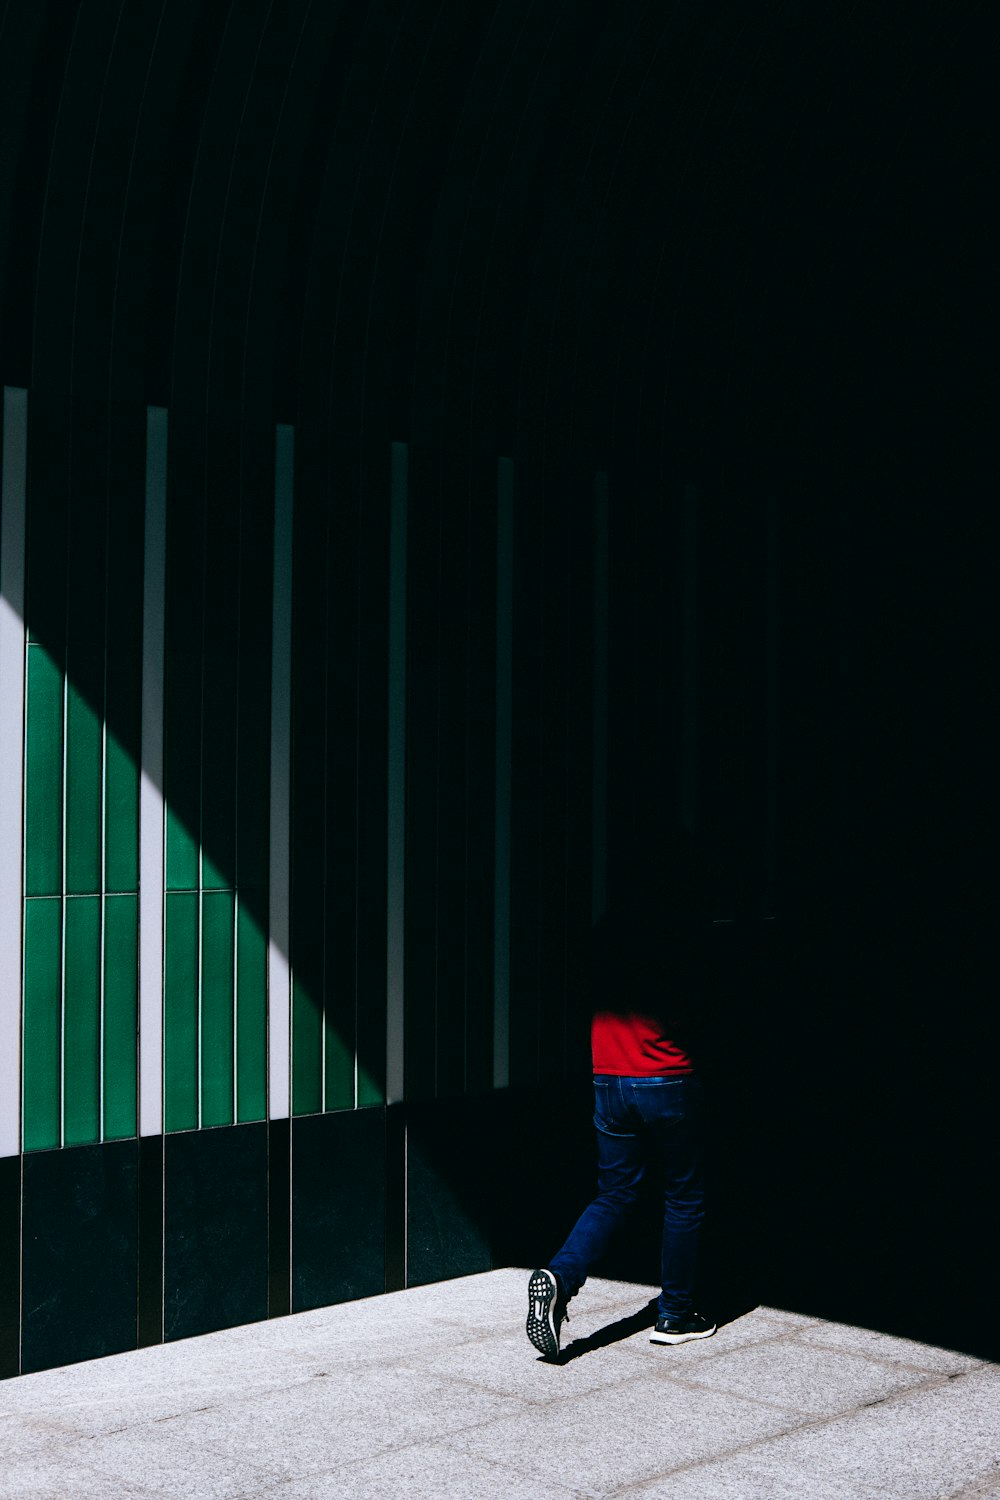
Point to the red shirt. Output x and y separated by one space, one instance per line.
635 1046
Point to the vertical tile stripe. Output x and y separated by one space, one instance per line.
689 627
770 709
278 973
12 521
504 723
395 1004
151 784
599 839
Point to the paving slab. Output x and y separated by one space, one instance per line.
59 1473
426 1472
623 1435
887 1348
802 1377
435 1391
934 1444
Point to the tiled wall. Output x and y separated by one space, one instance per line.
436 851
81 774
216 773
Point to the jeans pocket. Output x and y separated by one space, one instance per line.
608 1116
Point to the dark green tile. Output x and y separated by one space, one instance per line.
84 699
215 1229
121 960
42 1022
251 1014
451 1175
371 1073
81 1222
338 1208
43 775
149 1312
279 1218
82 1022
121 791
10 1266
218 760
182 768
123 681
339 1042
180 1005
307 1050
217 1019
88 529
47 522
254 771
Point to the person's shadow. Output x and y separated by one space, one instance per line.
624 1328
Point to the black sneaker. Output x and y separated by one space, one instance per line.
546 1312
681 1329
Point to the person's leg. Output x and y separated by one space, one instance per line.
621 1166
672 1111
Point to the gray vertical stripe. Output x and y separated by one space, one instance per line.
396 873
504 721
689 663
599 802
151 780
12 521
279 1008
770 709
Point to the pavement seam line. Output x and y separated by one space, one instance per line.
804 1426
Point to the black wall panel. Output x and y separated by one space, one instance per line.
80 1236
10 1265
215 1229
338 1207
451 1159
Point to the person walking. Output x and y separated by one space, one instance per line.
649 958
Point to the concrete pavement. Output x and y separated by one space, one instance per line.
435 1392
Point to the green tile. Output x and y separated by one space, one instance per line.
121 970
180 1011
83 777
253 792
47 521
371 1086
42 1022
182 853
43 775
218 761
121 836
182 752
82 1022
217 921
251 1015
121 774
339 1063
307 1051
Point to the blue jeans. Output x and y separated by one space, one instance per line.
643 1122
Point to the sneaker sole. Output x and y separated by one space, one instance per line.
680 1338
541 1326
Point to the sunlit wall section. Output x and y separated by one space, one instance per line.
82 722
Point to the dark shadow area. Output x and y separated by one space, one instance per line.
644 1317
